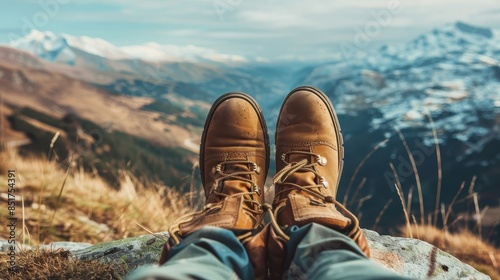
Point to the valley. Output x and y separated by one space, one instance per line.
117 109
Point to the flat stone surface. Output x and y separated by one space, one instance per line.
70 246
409 257
127 253
418 259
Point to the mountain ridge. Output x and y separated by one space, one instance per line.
450 74
61 48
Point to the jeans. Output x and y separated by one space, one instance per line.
313 252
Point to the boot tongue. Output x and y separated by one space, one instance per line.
233 186
301 178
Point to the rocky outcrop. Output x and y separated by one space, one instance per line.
128 253
418 259
410 257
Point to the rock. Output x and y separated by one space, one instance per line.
70 246
418 259
5 246
409 257
128 253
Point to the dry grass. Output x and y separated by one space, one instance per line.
468 246
72 205
58 264
416 173
356 171
464 244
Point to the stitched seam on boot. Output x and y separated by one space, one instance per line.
201 218
234 154
298 217
312 143
195 226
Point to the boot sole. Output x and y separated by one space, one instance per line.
336 123
214 107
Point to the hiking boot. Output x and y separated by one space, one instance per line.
234 160
309 160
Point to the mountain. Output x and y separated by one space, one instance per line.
151 70
451 74
65 48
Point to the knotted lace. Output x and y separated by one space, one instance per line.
250 198
353 230
301 166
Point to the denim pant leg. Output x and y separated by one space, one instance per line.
209 253
317 252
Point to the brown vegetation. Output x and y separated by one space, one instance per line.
54 93
72 205
464 244
58 264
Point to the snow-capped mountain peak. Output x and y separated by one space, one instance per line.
61 48
66 49
452 72
155 52
451 39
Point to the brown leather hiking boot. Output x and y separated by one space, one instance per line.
234 160
309 160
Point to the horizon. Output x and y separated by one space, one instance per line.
191 53
256 30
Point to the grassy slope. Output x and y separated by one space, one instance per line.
57 95
180 117
88 209
105 150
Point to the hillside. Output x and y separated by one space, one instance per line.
439 89
71 204
50 92
101 150
89 122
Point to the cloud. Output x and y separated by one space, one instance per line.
258 27
273 20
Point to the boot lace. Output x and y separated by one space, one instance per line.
301 166
250 198
353 230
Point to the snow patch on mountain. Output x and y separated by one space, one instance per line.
452 72
63 48
157 52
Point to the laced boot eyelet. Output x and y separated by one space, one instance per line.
256 168
217 169
324 182
321 160
215 186
256 189
260 208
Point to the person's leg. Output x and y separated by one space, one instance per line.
323 240
309 162
209 253
317 252
234 162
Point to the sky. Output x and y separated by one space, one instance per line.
269 29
